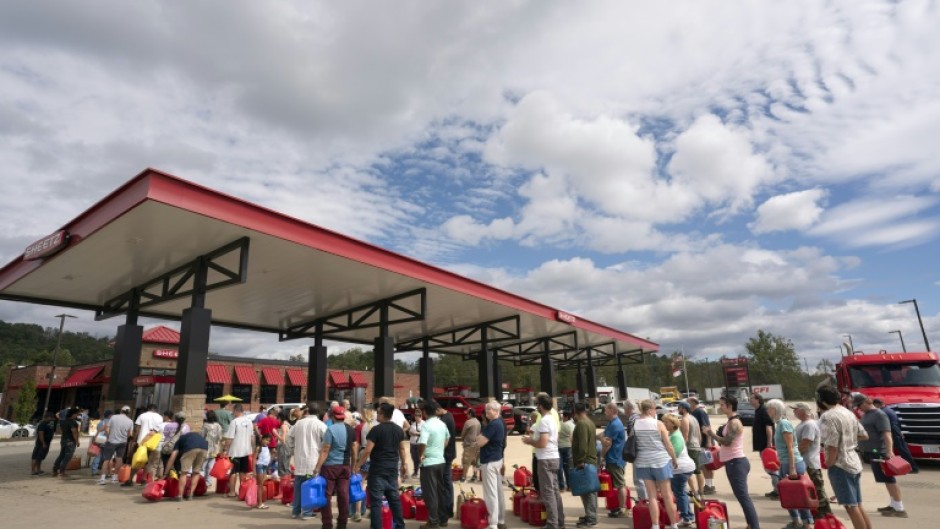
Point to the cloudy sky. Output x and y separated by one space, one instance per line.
689 173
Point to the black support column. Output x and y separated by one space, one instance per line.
579 382
384 355
426 372
126 363
497 377
316 368
485 367
621 379
194 339
591 379
547 373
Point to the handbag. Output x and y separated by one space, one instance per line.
629 449
583 480
94 450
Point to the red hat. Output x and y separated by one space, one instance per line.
339 413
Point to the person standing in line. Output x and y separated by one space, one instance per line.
879 446
692 436
238 444
630 411
45 431
102 429
148 423
900 444
69 441
119 430
174 427
264 462
359 446
492 443
545 441
471 452
212 433
305 439
385 453
583 453
807 442
450 454
224 416
283 451
840 432
189 454
730 438
791 462
612 440
705 481
683 471
336 458
431 443
762 436
268 425
565 430
655 461
414 431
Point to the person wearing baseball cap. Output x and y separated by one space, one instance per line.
335 465
878 446
900 444
807 436
119 429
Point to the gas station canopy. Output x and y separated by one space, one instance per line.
273 273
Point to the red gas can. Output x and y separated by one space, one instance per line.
715 463
613 500
517 498
408 506
896 466
798 493
828 522
641 515
607 483
712 512
524 505
473 514
386 516
522 477
221 486
172 488
287 490
421 510
538 515
271 489
770 460
243 488
456 473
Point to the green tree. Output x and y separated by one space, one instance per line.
771 356
299 357
824 366
25 404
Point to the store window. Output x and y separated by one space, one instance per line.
213 391
292 394
242 391
268 394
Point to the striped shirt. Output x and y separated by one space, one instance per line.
650 451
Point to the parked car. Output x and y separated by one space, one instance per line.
521 415
458 405
666 409
746 413
13 430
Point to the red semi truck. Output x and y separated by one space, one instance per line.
907 382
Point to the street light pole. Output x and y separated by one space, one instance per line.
55 358
919 320
898 332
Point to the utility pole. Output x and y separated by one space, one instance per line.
919 320
55 359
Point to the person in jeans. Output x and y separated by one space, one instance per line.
68 442
305 440
564 448
730 439
762 436
492 443
612 440
545 441
692 437
334 466
655 461
807 442
450 454
879 446
791 462
431 443
683 471
583 453
705 482
386 454
471 452
212 432
414 431
840 432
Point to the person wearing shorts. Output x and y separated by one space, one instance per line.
840 432
238 445
878 446
191 449
263 467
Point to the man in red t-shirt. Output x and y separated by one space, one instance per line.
267 426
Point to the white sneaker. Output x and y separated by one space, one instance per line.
102 481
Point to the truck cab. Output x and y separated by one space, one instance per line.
669 394
908 383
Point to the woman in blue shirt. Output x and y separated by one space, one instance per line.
791 462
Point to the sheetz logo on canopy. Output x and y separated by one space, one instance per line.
47 246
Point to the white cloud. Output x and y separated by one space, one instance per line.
879 222
792 211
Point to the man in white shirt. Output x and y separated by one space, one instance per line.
238 444
545 441
148 423
305 439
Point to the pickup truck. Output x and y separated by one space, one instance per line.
458 407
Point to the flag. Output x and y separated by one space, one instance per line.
677 366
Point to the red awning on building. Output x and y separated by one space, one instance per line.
216 374
358 380
338 380
296 377
246 375
273 376
83 376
